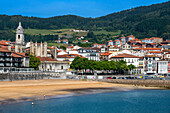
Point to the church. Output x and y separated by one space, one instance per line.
19 41
14 58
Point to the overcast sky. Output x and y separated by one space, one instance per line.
84 8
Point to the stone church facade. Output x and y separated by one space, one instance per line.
38 49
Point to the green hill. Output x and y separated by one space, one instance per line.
145 21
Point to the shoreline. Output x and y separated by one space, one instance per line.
31 90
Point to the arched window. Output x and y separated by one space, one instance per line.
61 67
18 36
50 67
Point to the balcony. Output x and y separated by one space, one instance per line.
8 55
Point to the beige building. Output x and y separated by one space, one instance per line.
157 40
126 46
38 49
49 64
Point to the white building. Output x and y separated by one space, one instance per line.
150 64
90 53
49 64
19 41
130 59
162 67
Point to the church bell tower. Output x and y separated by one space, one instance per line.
19 41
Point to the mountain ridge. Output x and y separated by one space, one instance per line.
143 21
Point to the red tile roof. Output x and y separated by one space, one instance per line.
122 37
50 47
46 59
106 54
154 51
147 48
117 40
150 56
3 43
22 54
147 39
110 41
13 47
65 40
124 55
70 46
69 56
130 36
15 55
4 50
58 51
156 38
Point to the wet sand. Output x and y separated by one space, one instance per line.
17 91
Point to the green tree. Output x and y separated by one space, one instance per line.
74 64
121 66
34 62
113 65
131 67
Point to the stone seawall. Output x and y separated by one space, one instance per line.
147 83
31 76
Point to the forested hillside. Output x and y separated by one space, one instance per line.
145 21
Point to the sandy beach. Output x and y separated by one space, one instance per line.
16 91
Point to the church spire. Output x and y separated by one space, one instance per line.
19 41
19 23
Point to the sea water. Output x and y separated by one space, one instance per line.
136 101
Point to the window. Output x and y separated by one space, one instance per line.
16 64
1 64
1 54
16 59
18 36
61 67
50 67
140 63
7 59
7 64
1 59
